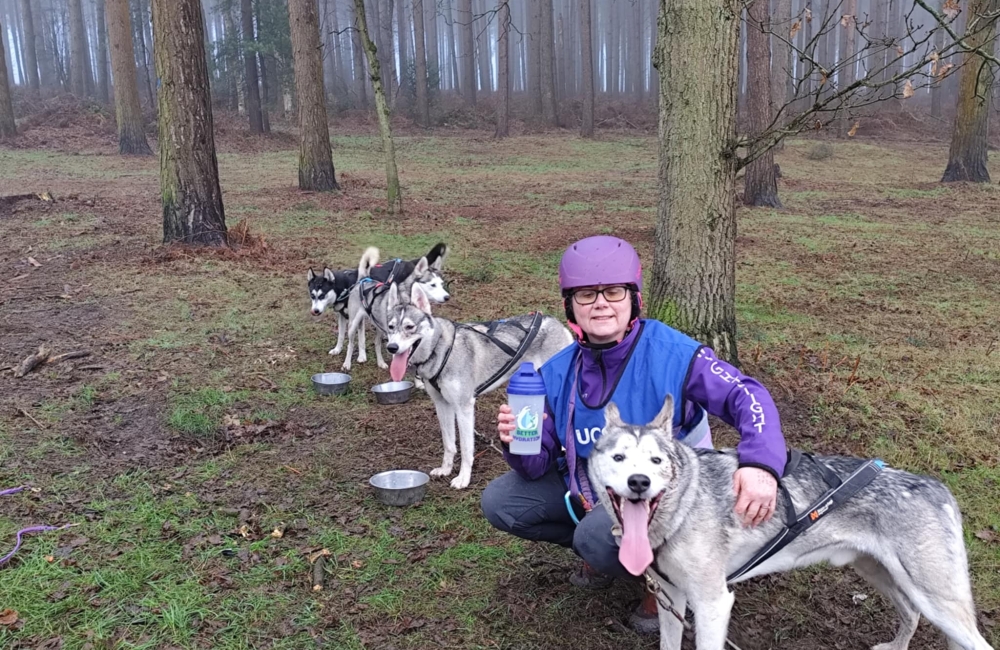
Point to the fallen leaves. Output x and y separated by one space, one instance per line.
796 28
8 617
908 89
951 9
988 536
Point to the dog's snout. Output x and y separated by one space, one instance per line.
393 348
447 297
315 312
638 483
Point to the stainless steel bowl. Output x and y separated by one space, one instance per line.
331 383
393 392
400 487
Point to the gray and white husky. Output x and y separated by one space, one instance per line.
674 507
367 300
455 359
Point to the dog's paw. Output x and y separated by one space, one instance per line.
346 367
362 358
383 365
461 481
335 351
441 471
419 384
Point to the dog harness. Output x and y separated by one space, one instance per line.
841 490
372 289
530 333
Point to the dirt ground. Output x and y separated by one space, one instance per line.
202 471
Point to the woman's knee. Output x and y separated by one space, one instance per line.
492 502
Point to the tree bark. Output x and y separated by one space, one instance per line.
694 273
30 52
483 49
128 112
465 28
189 172
547 64
936 83
534 31
144 52
232 45
78 48
420 65
967 155
394 196
846 74
359 58
781 55
387 61
503 69
46 63
452 45
252 83
316 171
431 31
7 127
587 62
403 27
760 183
103 81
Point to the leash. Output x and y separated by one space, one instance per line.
654 582
25 531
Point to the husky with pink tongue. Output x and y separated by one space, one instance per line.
460 361
674 507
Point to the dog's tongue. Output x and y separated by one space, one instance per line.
397 367
635 552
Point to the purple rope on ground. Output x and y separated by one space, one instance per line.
4 493
24 531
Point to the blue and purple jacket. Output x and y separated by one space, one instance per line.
706 383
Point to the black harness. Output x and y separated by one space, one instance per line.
840 491
491 327
372 289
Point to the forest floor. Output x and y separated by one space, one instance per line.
868 306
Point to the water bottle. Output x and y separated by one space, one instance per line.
526 398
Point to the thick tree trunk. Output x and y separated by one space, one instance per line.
967 155
503 68
103 81
587 62
78 48
781 59
7 127
252 83
315 158
464 20
420 65
30 52
547 64
189 172
694 281
382 109
760 183
128 112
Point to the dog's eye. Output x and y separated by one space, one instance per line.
410 327
391 326
618 458
656 460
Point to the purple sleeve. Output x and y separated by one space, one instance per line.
534 467
743 403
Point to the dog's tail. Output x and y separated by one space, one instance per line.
435 258
368 259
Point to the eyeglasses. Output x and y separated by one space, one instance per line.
589 296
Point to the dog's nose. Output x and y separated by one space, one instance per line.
638 483
315 312
447 298
393 348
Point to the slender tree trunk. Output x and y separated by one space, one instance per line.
781 55
420 65
694 273
846 61
17 45
936 83
387 56
359 62
548 81
503 68
967 155
483 48
534 32
252 83
46 66
316 171
761 183
452 45
466 29
233 48
30 53
7 127
587 60
403 27
144 51
431 31
189 172
382 109
128 112
266 98
103 81
78 40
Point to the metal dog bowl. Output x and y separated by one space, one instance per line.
393 392
331 383
400 487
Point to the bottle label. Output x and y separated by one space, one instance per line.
527 429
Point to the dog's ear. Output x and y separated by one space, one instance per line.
328 274
612 416
421 267
419 299
310 275
664 420
392 299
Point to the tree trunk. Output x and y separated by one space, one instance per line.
587 62
465 28
252 83
103 81
936 82
382 109
316 171
359 61
420 64
7 127
694 273
144 53
78 48
483 49
848 38
431 31
967 155
387 62
781 60
760 183
452 45
128 112
403 27
189 173
534 31
46 65
30 53
503 69
232 45
547 64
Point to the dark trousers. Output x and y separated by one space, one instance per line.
536 511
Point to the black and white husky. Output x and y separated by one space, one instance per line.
674 509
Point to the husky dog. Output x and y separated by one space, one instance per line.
367 299
455 359
674 508
332 289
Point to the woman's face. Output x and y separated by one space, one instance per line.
603 320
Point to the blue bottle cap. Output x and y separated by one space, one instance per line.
526 381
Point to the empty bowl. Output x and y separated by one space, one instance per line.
393 392
331 383
400 487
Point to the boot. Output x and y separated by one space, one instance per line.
644 619
586 577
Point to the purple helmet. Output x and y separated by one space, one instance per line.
600 260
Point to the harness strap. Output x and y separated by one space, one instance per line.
839 492
515 355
